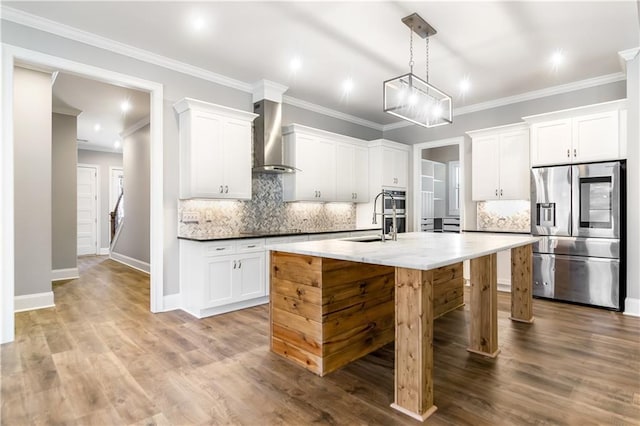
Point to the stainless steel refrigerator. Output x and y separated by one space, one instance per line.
579 211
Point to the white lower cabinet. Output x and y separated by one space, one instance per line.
222 276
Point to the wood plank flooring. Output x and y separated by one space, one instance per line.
101 358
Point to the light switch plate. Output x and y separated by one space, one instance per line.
190 216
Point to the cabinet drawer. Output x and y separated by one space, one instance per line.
251 245
220 248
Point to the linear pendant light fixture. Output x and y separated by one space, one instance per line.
412 98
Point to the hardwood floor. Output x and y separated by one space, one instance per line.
100 357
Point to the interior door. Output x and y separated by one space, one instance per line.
87 210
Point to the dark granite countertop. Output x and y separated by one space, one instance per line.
286 233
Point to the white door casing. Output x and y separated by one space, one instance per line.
87 210
12 54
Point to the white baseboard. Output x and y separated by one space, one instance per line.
30 302
64 274
207 312
632 307
102 251
171 302
504 286
131 262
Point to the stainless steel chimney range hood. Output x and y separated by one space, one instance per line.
268 146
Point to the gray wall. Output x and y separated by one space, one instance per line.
508 114
104 160
441 154
64 226
133 240
292 114
32 181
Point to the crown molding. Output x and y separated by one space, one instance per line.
267 89
629 54
56 28
66 31
330 112
528 96
98 148
135 127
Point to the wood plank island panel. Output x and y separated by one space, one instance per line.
326 313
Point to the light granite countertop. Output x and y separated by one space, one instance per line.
415 250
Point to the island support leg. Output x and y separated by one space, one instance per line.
414 343
483 326
521 284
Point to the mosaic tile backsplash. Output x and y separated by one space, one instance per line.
264 213
504 216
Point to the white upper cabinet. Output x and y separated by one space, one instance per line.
352 173
579 135
395 169
215 150
331 167
500 163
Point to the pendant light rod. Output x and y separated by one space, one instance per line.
419 25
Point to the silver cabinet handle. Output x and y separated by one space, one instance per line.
234 264
221 189
501 192
356 195
575 152
251 246
239 264
568 153
496 192
226 189
319 193
220 248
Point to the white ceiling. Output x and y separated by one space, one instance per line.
99 104
503 47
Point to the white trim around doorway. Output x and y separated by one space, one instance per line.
416 181
16 55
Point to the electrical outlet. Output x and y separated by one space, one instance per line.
190 216
208 215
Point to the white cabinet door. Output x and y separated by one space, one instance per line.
249 276
595 137
205 157
316 179
394 167
514 166
485 168
218 289
236 159
551 142
345 172
361 175
325 177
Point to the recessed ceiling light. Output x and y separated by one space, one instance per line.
347 86
465 85
116 144
557 58
97 127
295 64
198 23
125 106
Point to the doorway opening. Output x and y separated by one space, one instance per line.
36 60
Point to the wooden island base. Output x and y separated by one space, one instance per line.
326 313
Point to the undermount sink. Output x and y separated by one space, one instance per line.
363 239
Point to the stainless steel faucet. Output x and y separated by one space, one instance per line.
393 232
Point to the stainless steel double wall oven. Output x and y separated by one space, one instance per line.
400 198
579 210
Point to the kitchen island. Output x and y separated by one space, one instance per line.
387 290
